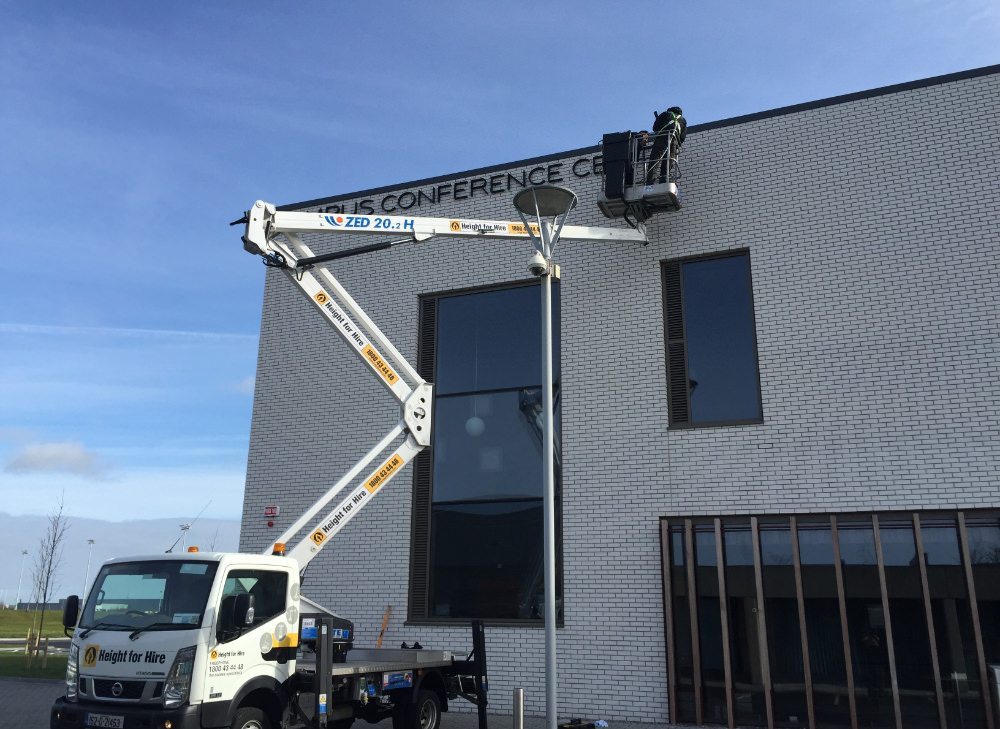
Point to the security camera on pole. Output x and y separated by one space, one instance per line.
547 207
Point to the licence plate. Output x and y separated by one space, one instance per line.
106 720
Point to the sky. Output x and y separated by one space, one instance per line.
131 133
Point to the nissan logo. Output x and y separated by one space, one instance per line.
116 689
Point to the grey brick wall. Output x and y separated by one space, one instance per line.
873 233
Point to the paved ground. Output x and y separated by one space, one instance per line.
24 704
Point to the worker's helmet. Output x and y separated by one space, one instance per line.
676 110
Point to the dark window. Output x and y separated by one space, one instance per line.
268 588
713 669
477 511
834 621
711 341
823 629
914 665
684 657
783 630
744 639
984 552
866 623
963 702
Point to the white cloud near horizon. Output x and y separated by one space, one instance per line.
66 457
132 493
47 329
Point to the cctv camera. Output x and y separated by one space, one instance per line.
538 265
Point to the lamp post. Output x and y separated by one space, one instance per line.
17 600
86 579
543 210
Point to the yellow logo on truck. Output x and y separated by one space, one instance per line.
215 655
321 298
318 537
90 654
455 226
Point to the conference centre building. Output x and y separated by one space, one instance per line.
777 425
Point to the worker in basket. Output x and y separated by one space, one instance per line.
669 131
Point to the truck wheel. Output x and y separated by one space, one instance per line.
250 717
423 713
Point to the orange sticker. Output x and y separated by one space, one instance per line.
384 473
321 298
380 365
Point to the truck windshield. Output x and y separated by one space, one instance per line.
170 595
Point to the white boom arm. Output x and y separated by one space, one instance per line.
274 235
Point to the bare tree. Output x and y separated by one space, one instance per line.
49 558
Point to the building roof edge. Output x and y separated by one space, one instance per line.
693 129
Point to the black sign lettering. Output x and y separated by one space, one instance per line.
478 183
495 184
421 196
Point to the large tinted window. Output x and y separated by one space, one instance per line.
481 506
833 621
711 341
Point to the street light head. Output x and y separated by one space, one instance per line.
546 201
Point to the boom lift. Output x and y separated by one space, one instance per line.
636 186
228 640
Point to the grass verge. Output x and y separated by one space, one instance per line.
12 664
15 623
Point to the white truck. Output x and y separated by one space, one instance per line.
175 641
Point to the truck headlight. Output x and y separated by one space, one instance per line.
178 684
73 672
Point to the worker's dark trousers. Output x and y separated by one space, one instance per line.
659 150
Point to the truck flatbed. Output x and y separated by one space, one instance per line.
380 660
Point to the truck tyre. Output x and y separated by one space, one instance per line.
250 717
423 713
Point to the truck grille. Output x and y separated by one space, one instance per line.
104 689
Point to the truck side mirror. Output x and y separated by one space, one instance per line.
236 612
243 610
71 611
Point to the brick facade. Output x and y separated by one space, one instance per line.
873 226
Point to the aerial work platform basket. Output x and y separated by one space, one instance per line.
638 185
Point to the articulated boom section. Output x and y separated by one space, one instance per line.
275 236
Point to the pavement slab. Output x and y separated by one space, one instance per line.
25 704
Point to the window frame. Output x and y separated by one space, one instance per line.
420 574
258 620
673 406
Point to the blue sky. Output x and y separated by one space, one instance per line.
132 133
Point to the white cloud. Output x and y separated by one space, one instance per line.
132 493
67 457
45 329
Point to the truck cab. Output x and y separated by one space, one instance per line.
183 640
